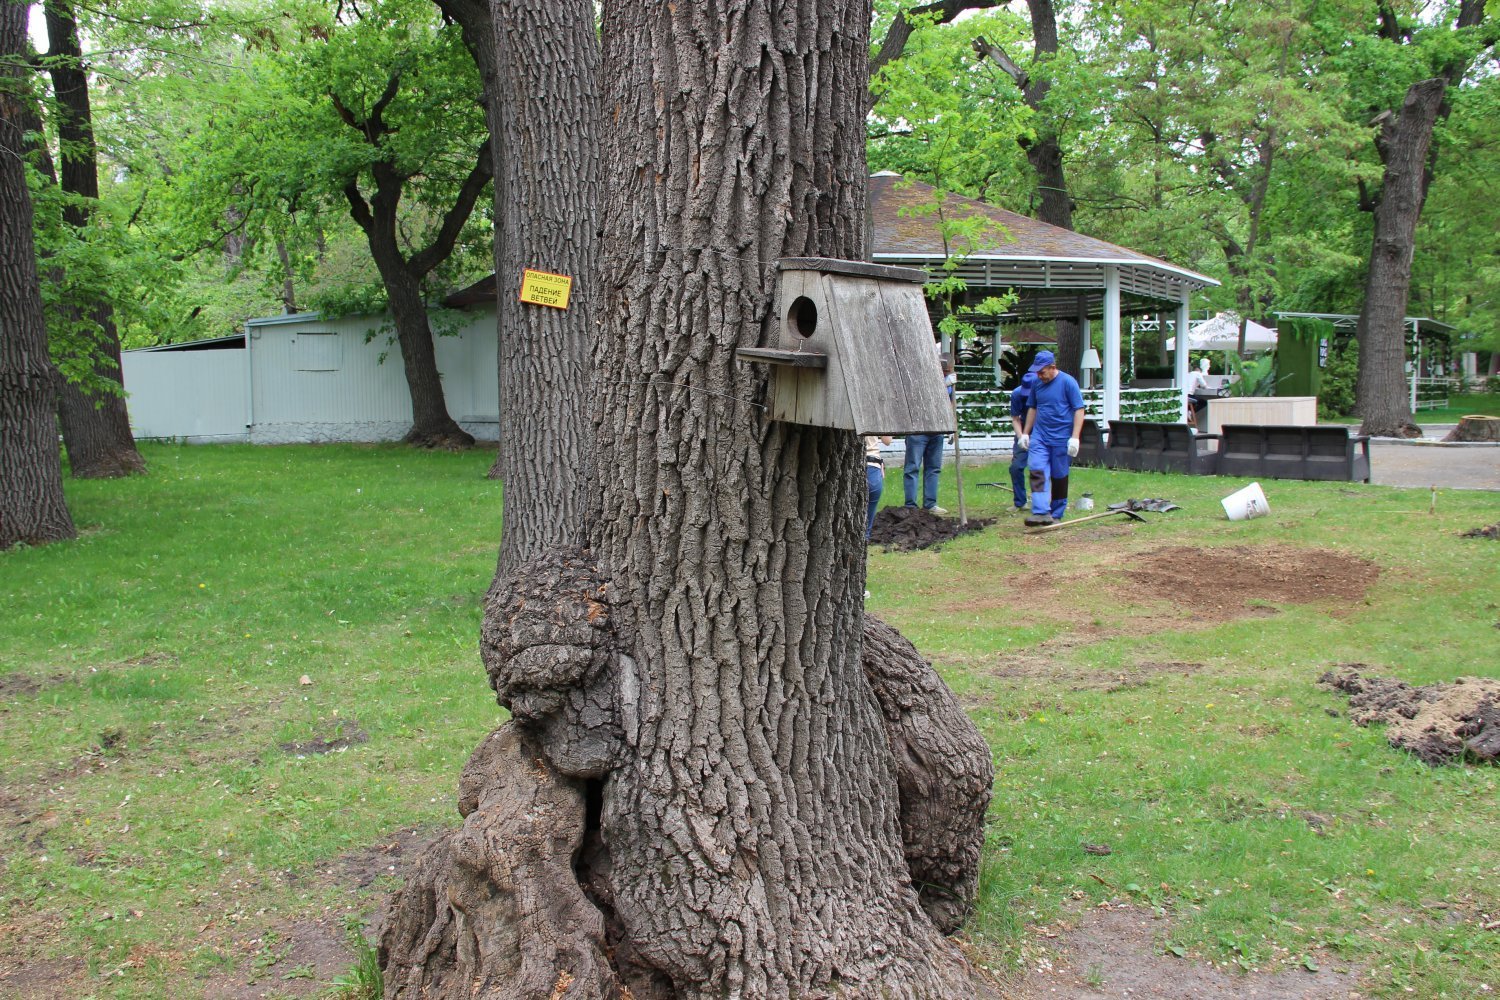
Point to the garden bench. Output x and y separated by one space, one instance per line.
1160 447
1328 453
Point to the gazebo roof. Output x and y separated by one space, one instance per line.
1058 273
1055 270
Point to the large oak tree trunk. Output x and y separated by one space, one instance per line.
95 424
32 509
548 182
754 824
709 787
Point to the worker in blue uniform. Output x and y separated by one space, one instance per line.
1054 424
1020 399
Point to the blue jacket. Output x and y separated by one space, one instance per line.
1020 396
1055 403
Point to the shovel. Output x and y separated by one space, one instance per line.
1084 520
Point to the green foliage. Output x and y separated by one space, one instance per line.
1257 375
1336 394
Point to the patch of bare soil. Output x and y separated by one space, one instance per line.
1440 723
1235 576
345 734
909 528
299 958
1492 531
1118 951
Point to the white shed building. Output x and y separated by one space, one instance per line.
301 378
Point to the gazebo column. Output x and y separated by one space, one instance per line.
1180 356
1111 342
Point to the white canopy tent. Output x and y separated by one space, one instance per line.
1222 333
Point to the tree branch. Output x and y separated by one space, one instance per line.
359 209
453 221
997 55
902 27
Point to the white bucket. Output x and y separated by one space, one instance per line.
1244 504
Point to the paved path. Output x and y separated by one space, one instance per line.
1454 467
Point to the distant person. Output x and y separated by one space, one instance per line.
924 459
1054 424
1198 390
1019 400
874 476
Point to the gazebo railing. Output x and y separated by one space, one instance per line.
984 415
1430 393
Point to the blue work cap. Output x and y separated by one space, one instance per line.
1043 359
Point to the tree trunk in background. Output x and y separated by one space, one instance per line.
1044 151
1382 398
477 24
431 426
1045 154
95 424
32 509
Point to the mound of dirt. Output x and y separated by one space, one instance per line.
1493 531
909 528
1440 723
1217 583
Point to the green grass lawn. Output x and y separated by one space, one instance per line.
1487 404
155 834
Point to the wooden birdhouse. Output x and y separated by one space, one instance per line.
854 349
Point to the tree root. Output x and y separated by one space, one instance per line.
494 909
519 901
943 771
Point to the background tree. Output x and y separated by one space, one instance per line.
1403 128
91 410
378 110
32 509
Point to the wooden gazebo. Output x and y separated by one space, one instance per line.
1058 274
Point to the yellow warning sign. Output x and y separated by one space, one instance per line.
544 289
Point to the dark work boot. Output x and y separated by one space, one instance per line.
1038 520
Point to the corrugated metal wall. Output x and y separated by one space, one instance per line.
310 380
197 396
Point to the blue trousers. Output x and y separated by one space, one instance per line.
875 479
924 452
1018 459
1049 465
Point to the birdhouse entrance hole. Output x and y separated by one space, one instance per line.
802 318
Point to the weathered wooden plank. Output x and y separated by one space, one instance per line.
777 356
854 268
905 322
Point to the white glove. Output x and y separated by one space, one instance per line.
1023 441
1072 447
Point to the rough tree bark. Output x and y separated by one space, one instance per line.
402 274
1404 139
702 793
95 424
1044 149
32 509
